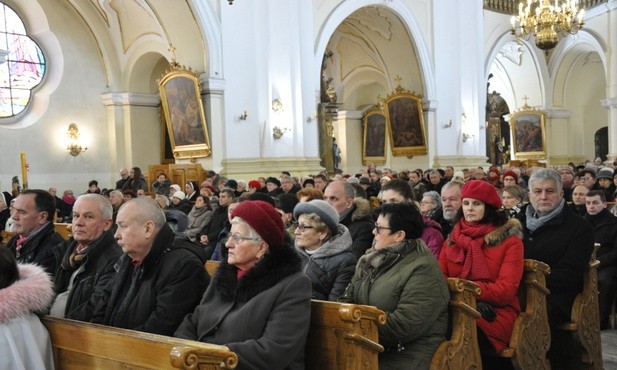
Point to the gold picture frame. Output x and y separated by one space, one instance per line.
528 134
404 114
374 124
180 91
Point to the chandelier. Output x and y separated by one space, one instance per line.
547 21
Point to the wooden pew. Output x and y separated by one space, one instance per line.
5 236
63 229
585 319
343 336
531 335
461 351
79 345
211 267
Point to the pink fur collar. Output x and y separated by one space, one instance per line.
33 292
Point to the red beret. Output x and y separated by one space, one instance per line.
483 191
512 174
264 219
254 184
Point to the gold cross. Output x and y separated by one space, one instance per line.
172 50
398 80
525 98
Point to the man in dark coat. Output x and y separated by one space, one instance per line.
562 240
604 232
89 259
124 177
158 279
33 214
355 213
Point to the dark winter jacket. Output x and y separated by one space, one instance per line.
92 275
156 295
360 224
264 317
39 248
330 267
605 232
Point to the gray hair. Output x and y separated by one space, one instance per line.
147 209
105 207
117 193
546 174
252 233
435 196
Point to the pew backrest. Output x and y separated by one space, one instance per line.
63 230
80 345
343 336
211 267
461 350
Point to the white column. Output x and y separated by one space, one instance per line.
611 81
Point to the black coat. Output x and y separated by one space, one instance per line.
216 225
565 244
605 232
155 296
40 249
88 285
360 224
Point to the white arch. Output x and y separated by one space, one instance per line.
209 23
585 37
347 7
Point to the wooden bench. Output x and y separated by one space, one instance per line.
461 351
343 336
531 335
5 236
80 345
585 318
63 229
211 267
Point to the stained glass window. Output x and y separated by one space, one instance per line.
22 64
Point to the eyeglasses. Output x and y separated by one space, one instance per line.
302 228
379 228
237 238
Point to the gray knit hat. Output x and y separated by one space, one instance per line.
321 208
605 173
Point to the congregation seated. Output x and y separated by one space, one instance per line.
198 218
404 280
258 304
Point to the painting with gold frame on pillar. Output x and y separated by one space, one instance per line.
528 133
180 90
374 136
405 122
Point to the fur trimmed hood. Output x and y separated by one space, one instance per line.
33 292
362 209
511 228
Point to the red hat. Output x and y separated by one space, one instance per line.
254 184
483 191
512 174
264 219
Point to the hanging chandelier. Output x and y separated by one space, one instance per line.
547 21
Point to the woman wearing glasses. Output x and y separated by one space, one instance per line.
487 248
400 276
259 302
325 248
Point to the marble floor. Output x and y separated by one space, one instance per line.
609 349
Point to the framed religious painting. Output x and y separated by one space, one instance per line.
183 110
405 123
374 138
528 134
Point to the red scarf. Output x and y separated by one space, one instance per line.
468 239
68 199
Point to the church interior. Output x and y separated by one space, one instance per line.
277 79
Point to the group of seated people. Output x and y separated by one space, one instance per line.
134 266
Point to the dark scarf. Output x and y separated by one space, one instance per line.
466 242
597 219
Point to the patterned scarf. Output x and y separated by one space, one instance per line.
468 240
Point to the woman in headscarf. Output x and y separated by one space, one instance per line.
259 301
486 247
325 248
400 276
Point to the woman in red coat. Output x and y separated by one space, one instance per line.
486 247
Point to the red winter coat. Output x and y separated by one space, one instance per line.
503 251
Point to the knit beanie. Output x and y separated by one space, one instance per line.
179 194
264 219
175 186
512 174
605 173
483 191
327 214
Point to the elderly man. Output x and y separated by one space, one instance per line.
604 232
450 204
556 236
33 214
355 213
124 177
158 279
88 262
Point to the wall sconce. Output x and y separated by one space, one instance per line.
277 105
74 147
243 116
277 132
465 136
448 125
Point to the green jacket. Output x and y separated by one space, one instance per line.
405 281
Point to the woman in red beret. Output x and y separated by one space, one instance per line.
486 247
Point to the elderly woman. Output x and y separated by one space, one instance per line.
430 205
512 198
325 248
259 302
487 248
199 216
400 276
